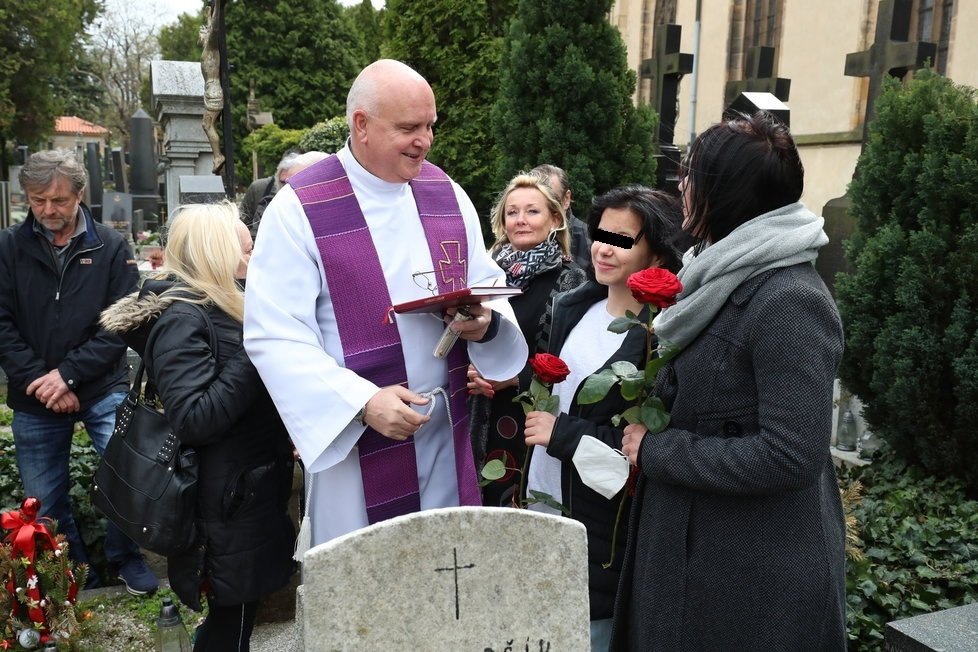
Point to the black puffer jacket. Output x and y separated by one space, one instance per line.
49 316
596 512
221 408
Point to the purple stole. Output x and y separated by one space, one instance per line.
371 343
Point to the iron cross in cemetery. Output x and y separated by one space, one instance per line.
890 54
455 568
665 70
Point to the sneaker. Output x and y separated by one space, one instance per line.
137 576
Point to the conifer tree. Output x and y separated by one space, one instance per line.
566 98
456 45
911 307
302 56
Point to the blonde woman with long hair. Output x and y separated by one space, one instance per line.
216 403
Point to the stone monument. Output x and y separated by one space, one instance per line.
749 103
759 77
145 186
461 578
178 99
117 213
119 170
93 191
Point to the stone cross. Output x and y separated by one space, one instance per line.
890 54
758 77
666 69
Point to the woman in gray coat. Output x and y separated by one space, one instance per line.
737 538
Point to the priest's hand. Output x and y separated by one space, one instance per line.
389 412
473 329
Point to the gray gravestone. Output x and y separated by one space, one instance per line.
178 99
666 69
94 189
119 170
204 189
117 213
142 151
462 578
951 630
759 77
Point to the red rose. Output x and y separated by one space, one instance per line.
549 368
656 286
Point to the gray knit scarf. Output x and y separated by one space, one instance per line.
783 237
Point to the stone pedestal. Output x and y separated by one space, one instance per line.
203 189
951 630
178 99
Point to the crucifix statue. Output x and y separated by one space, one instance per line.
214 68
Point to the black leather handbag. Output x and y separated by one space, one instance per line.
146 482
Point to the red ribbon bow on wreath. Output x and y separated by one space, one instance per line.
27 537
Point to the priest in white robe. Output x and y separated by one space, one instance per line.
290 327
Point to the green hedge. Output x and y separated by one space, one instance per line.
920 553
910 307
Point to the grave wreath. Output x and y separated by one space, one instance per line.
38 603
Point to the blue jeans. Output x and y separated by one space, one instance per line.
43 446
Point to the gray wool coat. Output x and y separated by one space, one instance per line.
737 537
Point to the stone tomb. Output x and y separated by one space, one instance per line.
951 630
463 578
203 189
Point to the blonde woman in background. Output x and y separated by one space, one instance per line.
216 403
533 248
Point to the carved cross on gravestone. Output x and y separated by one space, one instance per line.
758 77
455 568
890 53
665 70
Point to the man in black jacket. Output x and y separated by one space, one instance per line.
58 270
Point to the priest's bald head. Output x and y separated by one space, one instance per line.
391 113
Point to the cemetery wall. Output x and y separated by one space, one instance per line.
828 170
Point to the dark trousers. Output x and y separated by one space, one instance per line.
226 629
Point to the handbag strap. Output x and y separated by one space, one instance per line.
137 386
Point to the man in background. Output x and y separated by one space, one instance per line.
580 242
59 269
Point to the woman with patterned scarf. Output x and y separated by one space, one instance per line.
533 247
